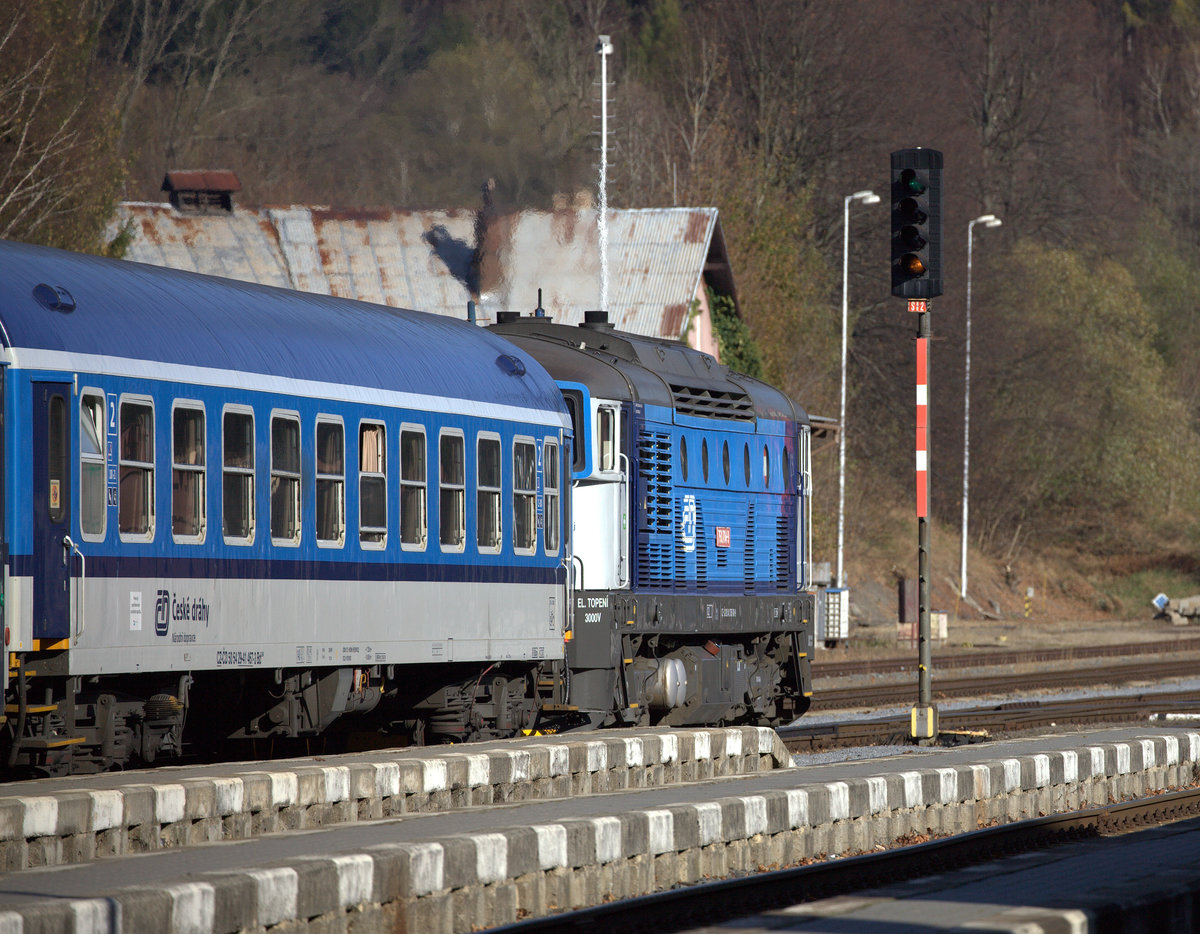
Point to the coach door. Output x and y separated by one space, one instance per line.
52 545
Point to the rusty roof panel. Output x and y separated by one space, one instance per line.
231 245
423 259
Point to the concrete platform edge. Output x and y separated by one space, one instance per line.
69 826
474 881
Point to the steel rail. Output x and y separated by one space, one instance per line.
943 660
876 695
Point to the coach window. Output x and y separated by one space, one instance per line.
487 493
704 459
766 468
187 473
413 520
725 460
237 477
372 485
607 417
331 482
524 496
135 511
452 490
550 485
93 513
683 459
285 480
787 466
746 463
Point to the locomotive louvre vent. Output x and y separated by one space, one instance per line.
712 403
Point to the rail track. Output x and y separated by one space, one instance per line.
878 695
986 722
702 906
1003 658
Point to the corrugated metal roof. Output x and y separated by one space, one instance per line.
424 259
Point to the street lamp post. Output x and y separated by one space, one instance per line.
988 220
866 197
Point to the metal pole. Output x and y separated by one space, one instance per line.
841 538
988 220
604 47
866 197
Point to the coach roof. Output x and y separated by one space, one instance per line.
55 301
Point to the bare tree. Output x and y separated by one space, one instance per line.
58 166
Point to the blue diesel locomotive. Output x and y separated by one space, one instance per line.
692 597
254 511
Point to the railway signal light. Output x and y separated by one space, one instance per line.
917 223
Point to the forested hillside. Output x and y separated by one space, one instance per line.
1077 122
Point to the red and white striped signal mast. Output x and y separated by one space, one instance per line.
917 277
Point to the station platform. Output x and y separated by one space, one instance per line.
463 838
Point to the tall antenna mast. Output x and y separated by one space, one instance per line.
604 48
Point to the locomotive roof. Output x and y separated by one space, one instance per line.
619 365
132 311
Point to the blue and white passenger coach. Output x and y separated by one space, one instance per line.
254 511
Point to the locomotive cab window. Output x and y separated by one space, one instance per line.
135 509
372 485
551 486
575 408
285 480
187 473
524 496
237 477
93 512
606 418
487 493
413 521
452 491
331 483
